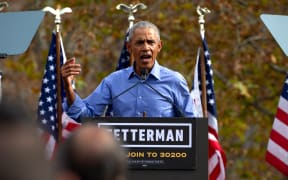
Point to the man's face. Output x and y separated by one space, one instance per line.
144 47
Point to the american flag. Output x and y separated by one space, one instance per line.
277 148
47 106
216 155
124 58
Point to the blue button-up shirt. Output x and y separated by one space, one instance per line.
159 95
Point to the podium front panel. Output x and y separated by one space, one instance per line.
182 158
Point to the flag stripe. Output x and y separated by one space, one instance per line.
221 164
278 143
216 166
68 126
50 147
279 133
214 146
65 134
282 116
212 131
277 148
283 104
213 163
71 126
68 123
213 142
213 123
214 174
277 163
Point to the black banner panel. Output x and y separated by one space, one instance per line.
155 143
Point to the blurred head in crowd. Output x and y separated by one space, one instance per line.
21 150
91 153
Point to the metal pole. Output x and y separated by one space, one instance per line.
203 86
201 12
59 85
58 12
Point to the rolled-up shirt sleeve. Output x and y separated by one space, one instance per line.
74 111
92 106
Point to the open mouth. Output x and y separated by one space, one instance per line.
146 57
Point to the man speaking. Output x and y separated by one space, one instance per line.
143 89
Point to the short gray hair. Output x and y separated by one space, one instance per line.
143 24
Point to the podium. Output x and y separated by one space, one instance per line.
162 148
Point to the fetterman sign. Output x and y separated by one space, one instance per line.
155 143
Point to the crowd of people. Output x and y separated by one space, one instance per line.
90 153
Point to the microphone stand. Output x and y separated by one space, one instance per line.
143 77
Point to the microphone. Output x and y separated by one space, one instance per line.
143 74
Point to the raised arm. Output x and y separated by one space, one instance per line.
68 71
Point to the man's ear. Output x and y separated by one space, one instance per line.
160 44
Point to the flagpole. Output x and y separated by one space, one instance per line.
131 9
203 85
58 12
201 12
